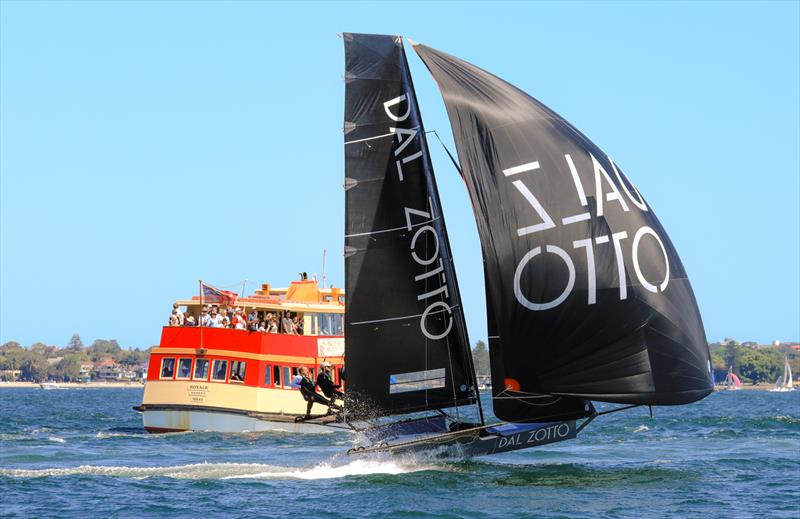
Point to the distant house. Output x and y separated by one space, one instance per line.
54 360
85 373
9 375
108 370
141 371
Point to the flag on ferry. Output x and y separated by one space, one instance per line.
211 294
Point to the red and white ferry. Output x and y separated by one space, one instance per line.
233 380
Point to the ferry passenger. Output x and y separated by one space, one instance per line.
189 321
325 383
226 320
205 319
286 324
273 325
177 311
253 321
297 326
310 395
215 319
173 319
238 320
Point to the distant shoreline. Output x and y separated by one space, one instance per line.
757 387
139 385
73 385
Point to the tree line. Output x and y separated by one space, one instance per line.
38 363
753 363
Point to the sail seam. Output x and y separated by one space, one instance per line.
404 228
369 138
401 318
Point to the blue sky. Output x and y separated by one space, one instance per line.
146 145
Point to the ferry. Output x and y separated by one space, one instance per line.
203 378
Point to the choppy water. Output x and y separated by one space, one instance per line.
81 452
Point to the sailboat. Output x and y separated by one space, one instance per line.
784 382
587 299
732 381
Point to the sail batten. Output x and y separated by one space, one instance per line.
586 294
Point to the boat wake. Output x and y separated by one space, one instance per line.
330 471
226 471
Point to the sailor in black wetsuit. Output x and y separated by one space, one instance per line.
325 383
309 392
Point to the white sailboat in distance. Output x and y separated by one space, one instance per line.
784 383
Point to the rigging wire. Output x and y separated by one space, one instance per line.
463 324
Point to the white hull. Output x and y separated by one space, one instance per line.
191 420
49 385
781 389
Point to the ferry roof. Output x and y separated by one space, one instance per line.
299 296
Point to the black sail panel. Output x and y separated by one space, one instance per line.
588 295
406 341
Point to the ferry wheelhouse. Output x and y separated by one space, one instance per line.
203 378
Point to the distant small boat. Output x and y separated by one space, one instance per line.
732 380
49 385
784 382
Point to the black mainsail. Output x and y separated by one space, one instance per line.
406 340
587 297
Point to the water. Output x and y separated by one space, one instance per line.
82 452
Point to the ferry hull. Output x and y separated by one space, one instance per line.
177 420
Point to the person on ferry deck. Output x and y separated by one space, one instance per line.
215 319
205 319
286 324
297 326
238 320
309 393
177 311
253 321
325 383
273 324
189 321
226 319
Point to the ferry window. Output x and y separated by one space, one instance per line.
287 376
324 324
201 369
184 368
219 370
237 370
312 324
167 368
329 324
267 375
276 375
337 324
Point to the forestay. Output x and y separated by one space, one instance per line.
406 341
587 296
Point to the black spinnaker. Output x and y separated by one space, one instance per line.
406 341
587 297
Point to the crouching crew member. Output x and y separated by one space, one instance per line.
325 383
309 392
